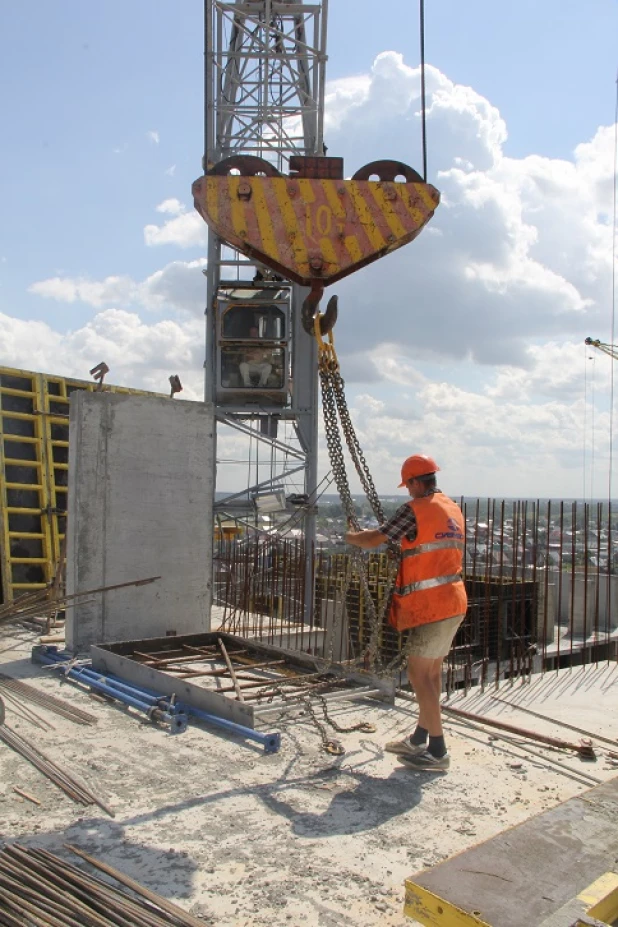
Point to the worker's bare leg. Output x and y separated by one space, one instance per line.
425 675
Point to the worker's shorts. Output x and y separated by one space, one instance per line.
433 640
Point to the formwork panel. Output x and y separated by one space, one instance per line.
34 464
185 666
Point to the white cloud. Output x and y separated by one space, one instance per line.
467 344
177 287
138 355
518 250
153 136
171 207
171 170
185 229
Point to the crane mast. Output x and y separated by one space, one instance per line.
284 224
264 98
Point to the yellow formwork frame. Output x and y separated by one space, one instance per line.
604 897
48 397
597 904
432 911
599 901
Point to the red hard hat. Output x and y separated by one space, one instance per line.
417 465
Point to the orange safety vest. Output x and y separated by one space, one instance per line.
429 583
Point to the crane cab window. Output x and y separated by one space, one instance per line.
252 366
238 321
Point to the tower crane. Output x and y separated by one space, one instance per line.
609 349
284 223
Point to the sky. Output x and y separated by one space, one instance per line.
467 344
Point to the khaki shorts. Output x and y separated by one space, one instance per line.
434 640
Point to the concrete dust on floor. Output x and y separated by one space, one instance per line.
300 837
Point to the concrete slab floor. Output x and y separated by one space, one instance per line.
299 837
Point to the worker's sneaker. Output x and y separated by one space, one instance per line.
427 761
405 747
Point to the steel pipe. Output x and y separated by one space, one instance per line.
270 742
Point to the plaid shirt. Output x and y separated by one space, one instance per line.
403 523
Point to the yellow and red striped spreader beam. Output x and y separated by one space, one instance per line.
312 226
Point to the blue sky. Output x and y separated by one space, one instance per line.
83 84
102 122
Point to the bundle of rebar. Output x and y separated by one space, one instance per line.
64 780
41 602
25 713
48 601
21 690
37 887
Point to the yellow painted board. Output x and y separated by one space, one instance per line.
601 898
430 910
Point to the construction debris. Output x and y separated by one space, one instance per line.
27 795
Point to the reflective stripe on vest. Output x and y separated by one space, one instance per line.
433 545
428 584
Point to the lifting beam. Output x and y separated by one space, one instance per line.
313 226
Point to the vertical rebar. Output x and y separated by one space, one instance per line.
560 569
571 620
586 555
597 583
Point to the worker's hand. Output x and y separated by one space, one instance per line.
350 536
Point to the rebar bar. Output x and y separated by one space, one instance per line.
69 785
539 578
41 889
56 705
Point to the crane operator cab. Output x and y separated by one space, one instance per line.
253 360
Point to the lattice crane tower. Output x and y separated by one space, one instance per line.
264 97
284 224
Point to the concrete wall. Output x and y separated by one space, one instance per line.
140 505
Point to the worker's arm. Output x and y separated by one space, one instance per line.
366 539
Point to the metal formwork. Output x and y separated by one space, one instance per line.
34 465
241 680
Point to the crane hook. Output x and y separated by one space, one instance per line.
310 308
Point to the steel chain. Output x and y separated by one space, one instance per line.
296 699
335 410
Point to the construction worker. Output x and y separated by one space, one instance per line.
429 598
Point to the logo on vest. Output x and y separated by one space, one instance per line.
453 531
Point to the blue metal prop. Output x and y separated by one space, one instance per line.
154 705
